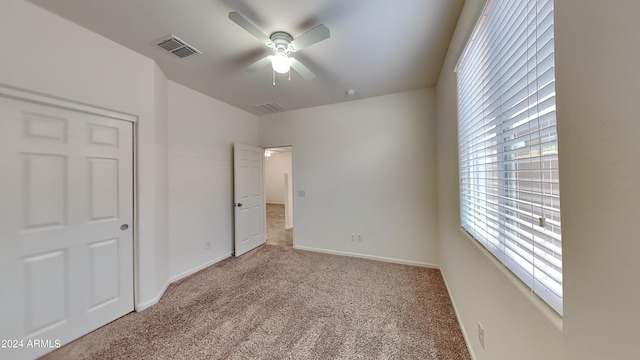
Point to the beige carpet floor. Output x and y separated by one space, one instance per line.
276 233
279 303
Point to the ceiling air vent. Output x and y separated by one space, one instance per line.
271 107
176 46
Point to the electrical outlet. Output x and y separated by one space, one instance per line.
481 334
359 238
353 237
207 245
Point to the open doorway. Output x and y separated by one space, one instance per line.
278 184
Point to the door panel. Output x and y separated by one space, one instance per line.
44 188
103 188
249 198
67 186
104 272
45 281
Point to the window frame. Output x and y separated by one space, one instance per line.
500 245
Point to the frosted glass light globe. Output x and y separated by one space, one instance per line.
281 63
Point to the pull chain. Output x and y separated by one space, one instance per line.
274 77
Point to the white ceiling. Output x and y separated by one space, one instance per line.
377 47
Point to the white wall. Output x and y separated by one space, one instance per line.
368 167
202 131
597 87
276 166
53 56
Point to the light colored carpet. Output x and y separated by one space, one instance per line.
276 233
279 303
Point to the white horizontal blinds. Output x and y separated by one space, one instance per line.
510 197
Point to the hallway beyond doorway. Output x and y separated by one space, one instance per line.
276 233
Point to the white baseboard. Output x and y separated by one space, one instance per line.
369 257
146 305
198 268
465 335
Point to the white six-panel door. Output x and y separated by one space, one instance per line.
66 210
249 197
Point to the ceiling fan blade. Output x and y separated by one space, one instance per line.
258 64
302 70
311 37
237 18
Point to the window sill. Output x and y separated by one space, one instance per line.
542 306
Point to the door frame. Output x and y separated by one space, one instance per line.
48 100
293 192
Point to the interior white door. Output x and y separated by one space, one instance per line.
249 197
66 184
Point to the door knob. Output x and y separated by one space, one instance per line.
239 204
124 227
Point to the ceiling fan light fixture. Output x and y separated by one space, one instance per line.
281 63
282 43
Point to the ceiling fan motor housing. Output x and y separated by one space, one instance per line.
281 42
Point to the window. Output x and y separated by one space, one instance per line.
509 183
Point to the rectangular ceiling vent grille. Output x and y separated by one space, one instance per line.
177 47
271 107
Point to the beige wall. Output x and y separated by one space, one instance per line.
202 131
385 168
274 169
598 86
598 82
161 177
367 167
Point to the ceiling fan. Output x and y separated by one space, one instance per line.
282 44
